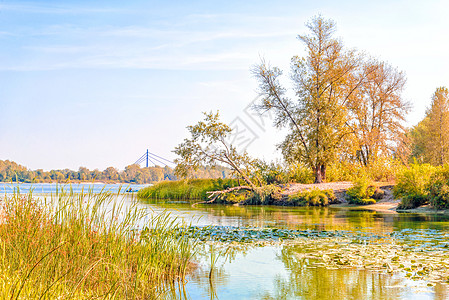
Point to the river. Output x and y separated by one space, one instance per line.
283 270
275 271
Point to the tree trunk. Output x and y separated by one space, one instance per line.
318 175
323 173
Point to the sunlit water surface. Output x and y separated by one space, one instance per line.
273 270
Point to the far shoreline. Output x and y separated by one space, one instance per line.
76 182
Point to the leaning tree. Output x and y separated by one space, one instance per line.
209 145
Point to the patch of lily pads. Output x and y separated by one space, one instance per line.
248 235
387 256
417 254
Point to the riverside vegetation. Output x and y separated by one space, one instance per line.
81 246
12 172
415 185
347 114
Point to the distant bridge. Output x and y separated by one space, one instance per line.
148 157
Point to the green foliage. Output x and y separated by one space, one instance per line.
86 246
344 171
438 188
421 184
362 192
297 172
382 169
277 173
412 183
185 189
13 172
209 145
269 173
313 197
430 137
264 195
234 197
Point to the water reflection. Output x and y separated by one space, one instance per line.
328 218
277 272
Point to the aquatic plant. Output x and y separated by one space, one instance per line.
88 246
421 254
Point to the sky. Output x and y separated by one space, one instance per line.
96 83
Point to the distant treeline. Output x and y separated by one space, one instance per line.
13 172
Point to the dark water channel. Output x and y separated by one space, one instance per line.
278 269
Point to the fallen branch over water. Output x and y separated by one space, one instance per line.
215 194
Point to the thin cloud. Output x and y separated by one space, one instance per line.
55 9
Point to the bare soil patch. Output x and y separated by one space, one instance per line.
299 187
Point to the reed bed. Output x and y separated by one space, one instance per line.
190 189
89 246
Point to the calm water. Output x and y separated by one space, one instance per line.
48 188
275 272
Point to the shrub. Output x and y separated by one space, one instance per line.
234 197
276 173
383 169
412 185
313 197
438 188
344 171
299 173
267 194
362 192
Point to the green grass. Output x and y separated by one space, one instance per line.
79 246
189 189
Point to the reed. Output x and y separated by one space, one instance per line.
189 189
78 246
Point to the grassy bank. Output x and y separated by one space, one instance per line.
86 246
185 189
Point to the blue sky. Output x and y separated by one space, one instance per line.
96 83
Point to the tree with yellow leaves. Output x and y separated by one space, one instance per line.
431 136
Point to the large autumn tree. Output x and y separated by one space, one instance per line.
431 136
318 115
377 112
342 102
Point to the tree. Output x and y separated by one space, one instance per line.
377 112
318 118
83 174
131 172
431 136
208 146
345 105
111 173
